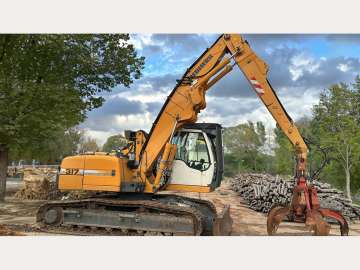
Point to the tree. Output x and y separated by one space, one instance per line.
285 155
50 151
243 148
114 142
49 82
88 145
336 120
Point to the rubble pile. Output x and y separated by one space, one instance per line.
4 231
77 195
41 184
262 191
37 185
14 172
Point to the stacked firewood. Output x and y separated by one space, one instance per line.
262 191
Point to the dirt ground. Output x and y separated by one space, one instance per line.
248 222
19 216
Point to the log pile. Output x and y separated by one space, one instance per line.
262 191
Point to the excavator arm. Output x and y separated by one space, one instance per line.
188 99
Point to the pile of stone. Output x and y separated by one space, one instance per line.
262 191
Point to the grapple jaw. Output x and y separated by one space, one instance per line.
305 208
275 216
315 223
329 213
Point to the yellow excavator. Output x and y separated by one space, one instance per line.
180 155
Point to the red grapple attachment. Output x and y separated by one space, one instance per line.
305 207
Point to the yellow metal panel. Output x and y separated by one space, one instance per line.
73 162
70 182
71 176
101 188
188 188
101 171
126 174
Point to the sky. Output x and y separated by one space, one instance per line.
300 67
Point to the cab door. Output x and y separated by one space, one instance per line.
194 160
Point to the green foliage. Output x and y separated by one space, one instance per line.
244 137
244 145
284 154
232 164
284 151
88 144
48 82
335 128
337 122
114 142
51 151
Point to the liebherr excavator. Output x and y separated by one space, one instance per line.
180 155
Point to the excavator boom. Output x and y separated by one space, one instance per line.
188 98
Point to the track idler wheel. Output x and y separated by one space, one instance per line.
275 216
53 216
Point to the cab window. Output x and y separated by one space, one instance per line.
192 149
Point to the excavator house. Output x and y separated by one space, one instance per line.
181 155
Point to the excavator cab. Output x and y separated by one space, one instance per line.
199 159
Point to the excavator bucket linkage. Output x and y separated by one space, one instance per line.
305 208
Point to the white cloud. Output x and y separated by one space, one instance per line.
228 111
99 136
343 67
297 75
141 40
118 124
269 50
301 63
143 96
298 102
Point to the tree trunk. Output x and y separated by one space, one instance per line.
3 170
347 173
255 163
348 190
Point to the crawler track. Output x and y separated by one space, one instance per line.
133 215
